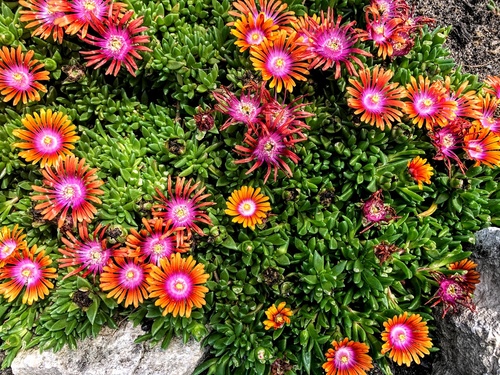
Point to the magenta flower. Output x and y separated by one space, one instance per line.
452 293
375 211
331 44
449 138
118 44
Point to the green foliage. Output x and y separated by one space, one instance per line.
310 251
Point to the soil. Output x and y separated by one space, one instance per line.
474 40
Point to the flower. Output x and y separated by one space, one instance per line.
271 9
280 61
10 242
176 285
428 103
347 358
182 209
48 135
482 145
486 113
377 100
277 317
125 278
330 44
375 211
155 242
420 171
118 44
78 15
270 147
248 205
494 83
41 13
30 269
406 338
252 31
467 105
449 138
246 109
470 277
451 293
71 185
90 253
19 75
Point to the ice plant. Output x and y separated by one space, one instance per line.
447 140
451 293
468 275
270 147
183 207
277 317
252 31
375 211
347 357
486 113
118 42
428 103
245 109
482 146
375 98
125 279
330 44
48 135
42 15
383 251
274 10
420 171
11 241
281 61
89 254
68 186
28 270
19 75
176 285
156 241
248 205
78 15
494 86
467 104
406 338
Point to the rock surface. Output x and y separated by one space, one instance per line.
470 341
113 352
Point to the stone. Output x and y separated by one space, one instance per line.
113 352
470 341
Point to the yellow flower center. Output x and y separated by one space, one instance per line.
279 63
179 285
246 109
89 5
452 290
181 212
115 44
158 248
18 77
448 140
27 273
402 337
68 192
269 146
279 319
333 45
344 359
47 140
375 98
6 249
379 29
95 255
246 206
374 209
130 275
255 37
427 102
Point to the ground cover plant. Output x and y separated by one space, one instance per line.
295 184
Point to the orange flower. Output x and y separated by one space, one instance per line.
41 13
176 285
10 242
19 76
281 61
406 338
48 135
482 145
277 317
252 31
347 358
248 205
30 269
420 170
377 100
125 278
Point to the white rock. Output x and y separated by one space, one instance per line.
113 352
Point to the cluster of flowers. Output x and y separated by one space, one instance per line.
272 130
100 23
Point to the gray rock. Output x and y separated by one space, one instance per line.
470 341
113 352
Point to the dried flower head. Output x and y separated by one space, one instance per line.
375 211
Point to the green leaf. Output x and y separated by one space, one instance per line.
229 243
92 311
